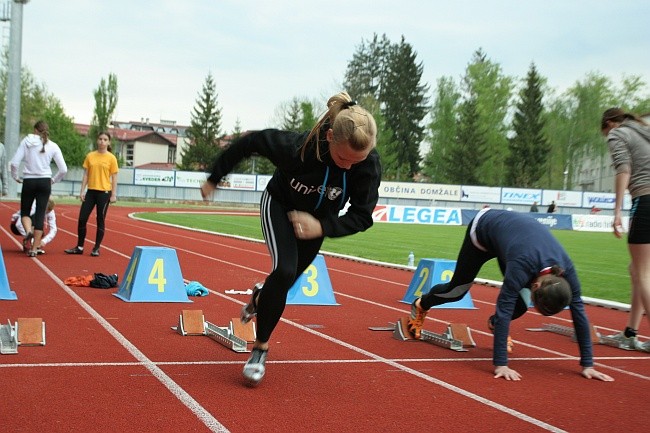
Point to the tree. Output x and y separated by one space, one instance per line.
204 130
74 146
529 148
292 116
485 81
405 107
105 103
441 130
366 71
469 147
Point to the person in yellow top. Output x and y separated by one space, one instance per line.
100 177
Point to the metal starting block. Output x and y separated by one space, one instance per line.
456 337
25 332
568 331
235 336
8 340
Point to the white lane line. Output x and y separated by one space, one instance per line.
196 408
308 361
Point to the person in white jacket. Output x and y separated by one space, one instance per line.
37 152
49 228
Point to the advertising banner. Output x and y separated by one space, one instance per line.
417 215
480 194
246 182
603 200
521 196
190 179
420 191
153 177
562 198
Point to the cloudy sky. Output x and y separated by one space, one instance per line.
264 52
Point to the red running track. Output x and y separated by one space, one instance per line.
116 366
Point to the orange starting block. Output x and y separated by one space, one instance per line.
456 337
24 332
235 336
31 331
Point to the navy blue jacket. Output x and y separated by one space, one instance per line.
524 247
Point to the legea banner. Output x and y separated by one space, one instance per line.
417 215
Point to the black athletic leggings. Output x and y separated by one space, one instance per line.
101 199
35 189
289 257
469 263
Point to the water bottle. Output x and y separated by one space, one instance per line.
411 261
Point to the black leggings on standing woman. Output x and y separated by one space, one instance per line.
101 199
38 190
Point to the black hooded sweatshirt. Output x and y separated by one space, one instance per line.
320 188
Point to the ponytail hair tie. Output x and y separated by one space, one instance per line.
348 104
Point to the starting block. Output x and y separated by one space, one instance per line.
568 331
31 331
8 340
25 332
236 336
456 337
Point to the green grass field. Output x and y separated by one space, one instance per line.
600 258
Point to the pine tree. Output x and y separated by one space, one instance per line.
442 130
405 106
204 131
469 147
529 148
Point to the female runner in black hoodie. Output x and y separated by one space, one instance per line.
317 172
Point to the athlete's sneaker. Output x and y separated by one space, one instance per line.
95 252
75 250
627 343
249 310
416 321
27 242
254 368
643 347
40 251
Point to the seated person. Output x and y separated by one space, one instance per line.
49 228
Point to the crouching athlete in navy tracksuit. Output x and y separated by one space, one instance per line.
529 257
316 174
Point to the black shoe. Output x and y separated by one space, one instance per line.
75 250
95 252
40 251
31 253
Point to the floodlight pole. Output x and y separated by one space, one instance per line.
12 120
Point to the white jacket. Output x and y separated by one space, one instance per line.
37 163
49 229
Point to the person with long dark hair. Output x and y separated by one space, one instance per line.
628 139
100 179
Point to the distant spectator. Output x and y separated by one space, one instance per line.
551 207
534 208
